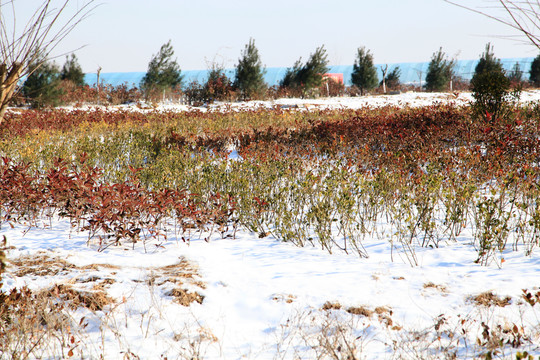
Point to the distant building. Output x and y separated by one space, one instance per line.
337 77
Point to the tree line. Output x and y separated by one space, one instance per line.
24 56
305 79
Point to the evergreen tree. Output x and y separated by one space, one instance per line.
290 80
310 75
490 86
250 73
72 71
42 86
516 74
364 74
534 73
440 72
163 72
392 79
488 63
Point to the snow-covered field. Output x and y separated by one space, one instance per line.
406 99
257 298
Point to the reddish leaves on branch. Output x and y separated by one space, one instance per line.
113 212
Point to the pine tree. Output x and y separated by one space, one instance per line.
516 74
290 80
163 72
534 73
72 71
490 86
488 63
310 75
440 72
364 74
392 79
42 87
250 73
312 72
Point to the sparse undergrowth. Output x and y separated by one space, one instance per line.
54 322
340 332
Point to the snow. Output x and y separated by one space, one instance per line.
405 99
263 299
253 285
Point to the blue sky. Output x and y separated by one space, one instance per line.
122 35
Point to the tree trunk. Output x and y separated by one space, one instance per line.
8 82
384 71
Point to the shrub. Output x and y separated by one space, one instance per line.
218 86
195 93
332 87
490 86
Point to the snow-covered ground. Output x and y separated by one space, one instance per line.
262 299
257 298
406 99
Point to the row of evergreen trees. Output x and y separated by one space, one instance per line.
304 77
164 74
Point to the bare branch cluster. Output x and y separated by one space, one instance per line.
521 15
34 41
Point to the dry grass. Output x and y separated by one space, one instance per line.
45 317
92 300
360 310
429 285
99 267
180 274
33 324
176 273
40 264
183 272
331 305
184 297
488 299
287 298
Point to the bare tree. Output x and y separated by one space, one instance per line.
521 15
33 42
384 71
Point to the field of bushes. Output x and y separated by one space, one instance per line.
333 179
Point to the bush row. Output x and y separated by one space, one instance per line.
334 179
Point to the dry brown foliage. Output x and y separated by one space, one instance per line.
431 285
488 299
331 305
185 297
360 310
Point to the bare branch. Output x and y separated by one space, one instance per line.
39 36
522 16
